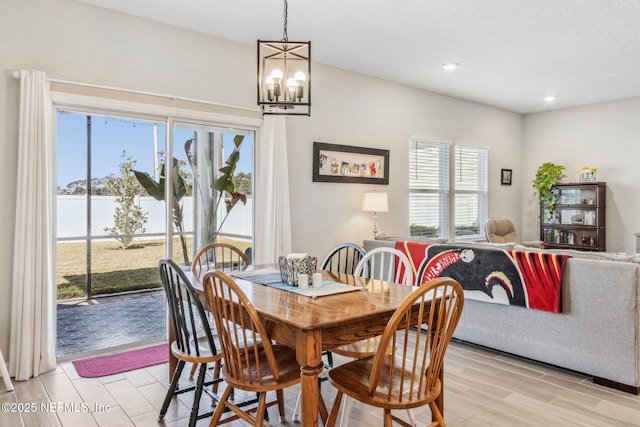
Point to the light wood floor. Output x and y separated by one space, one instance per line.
482 388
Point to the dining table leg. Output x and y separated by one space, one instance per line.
309 356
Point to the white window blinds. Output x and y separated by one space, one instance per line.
428 188
470 183
432 213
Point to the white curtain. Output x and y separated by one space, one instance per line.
33 309
273 220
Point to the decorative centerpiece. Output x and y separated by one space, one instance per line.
587 174
294 264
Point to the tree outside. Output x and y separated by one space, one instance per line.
129 219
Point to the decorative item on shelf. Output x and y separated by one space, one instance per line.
292 265
587 174
375 202
284 75
577 219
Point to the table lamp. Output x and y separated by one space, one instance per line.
375 202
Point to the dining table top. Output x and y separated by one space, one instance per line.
372 297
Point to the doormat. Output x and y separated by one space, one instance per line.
116 363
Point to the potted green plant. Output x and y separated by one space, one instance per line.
547 176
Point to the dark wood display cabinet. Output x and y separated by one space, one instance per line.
577 220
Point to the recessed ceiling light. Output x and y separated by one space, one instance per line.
549 98
450 67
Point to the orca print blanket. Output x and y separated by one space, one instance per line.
522 278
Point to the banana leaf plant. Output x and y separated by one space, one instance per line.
211 188
156 189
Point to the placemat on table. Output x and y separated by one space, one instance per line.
272 278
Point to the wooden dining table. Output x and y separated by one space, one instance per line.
311 325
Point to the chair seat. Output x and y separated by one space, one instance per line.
206 354
288 368
352 379
360 349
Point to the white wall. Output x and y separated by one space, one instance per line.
604 135
353 109
74 41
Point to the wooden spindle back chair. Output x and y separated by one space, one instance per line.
409 375
387 264
220 256
251 361
343 258
382 265
193 340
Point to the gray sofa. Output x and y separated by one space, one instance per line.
597 333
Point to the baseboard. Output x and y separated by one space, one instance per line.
618 386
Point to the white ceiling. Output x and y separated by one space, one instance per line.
512 53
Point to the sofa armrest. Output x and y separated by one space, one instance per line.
534 244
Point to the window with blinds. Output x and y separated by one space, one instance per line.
432 213
470 183
429 188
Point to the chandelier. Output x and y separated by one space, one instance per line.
284 75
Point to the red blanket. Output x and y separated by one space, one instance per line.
523 278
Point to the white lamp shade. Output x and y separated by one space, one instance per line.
375 202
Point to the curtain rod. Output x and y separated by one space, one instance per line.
16 75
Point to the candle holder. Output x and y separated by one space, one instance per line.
290 268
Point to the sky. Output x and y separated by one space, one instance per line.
110 136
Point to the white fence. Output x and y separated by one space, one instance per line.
72 216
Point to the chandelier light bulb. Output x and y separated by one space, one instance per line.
276 75
269 82
300 79
292 86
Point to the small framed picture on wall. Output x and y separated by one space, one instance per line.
505 176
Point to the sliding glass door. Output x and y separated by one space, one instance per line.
220 166
109 231
112 227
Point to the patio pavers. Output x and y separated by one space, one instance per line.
110 321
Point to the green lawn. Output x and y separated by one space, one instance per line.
114 270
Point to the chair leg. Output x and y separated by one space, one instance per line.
333 415
262 406
388 419
280 397
330 359
220 408
172 389
412 418
5 374
196 397
437 415
344 420
216 375
194 367
296 411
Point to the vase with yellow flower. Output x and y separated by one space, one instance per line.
587 174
